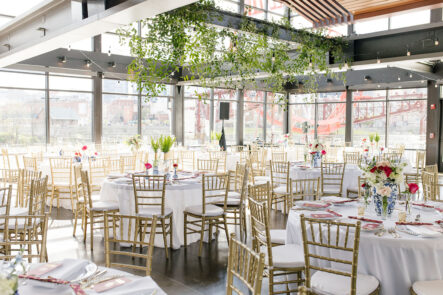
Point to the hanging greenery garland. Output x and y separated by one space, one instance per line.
181 43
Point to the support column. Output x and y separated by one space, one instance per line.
348 126
178 114
433 124
265 111
139 112
97 104
47 111
211 111
436 15
240 117
286 119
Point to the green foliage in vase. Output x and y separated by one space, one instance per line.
166 142
216 135
181 42
155 144
134 142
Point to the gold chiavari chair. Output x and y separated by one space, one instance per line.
93 212
30 163
37 196
361 190
332 179
207 166
262 193
279 157
61 180
282 262
246 266
304 188
149 192
431 168
351 157
280 184
187 160
392 157
399 149
135 230
97 172
430 186
113 166
24 185
221 157
80 198
257 173
420 164
334 239
23 234
5 200
127 163
237 148
244 156
426 287
214 187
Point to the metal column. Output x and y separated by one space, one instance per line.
178 114
97 100
265 111
211 111
240 117
348 126
433 124
47 110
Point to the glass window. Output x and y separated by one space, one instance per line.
299 22
274 122
22 80
253 120
197 119
22 119
255 13
228 5
411 19
370 26
120 116
369 95
302 122
197 92
336 31
70 83
255 96
156 117
276 7
111 42
227 96
119 86
70 117
331 97
331 123
4 20
368 117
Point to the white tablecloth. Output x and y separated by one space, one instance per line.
28 289
396 263
178 197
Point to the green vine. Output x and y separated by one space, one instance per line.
181 44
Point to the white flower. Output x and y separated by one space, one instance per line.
384 191
8 287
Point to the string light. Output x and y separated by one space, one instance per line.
69 47
378 60
436 42
88 63
109 51
398 78
408 53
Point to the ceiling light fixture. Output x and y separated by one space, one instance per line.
69 47
367 78
88 63
436 43
109 51
63 59
112 64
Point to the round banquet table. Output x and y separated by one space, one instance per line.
178 197
396 262
350 178
28 288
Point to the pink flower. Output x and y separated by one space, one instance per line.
310 144
148 166
96 153
413 188
366 150
84 148
323 152
364 139
76 154
382 148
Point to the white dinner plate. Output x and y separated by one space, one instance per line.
339 201
310 205
370 227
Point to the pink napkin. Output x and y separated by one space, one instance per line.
365 219
422 205
108 285
370 226
333 212
75 287
413 223
322 215
312 205
342 202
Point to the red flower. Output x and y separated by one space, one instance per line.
373 169
310 144
76 154
316 146
148 166
363 185
175 165
366 150
96 153
387 170
364 139
84 148
413 188
313 153
323 152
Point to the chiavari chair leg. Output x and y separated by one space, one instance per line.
202 234
75 221
226 228
170 232
91 224
85 223
165 240
185 217
52 199
71 195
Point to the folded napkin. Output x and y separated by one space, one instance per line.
334 213
144 285
322 215
422 205
423 231
365 219
75 287
439 210
69 269
338 200
315 205
413 223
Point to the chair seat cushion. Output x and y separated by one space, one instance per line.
104 206
353 189
330 192
154 210
282 190
211 210
230 202
428 287
234 195
287 256
262 178
278 236
328 283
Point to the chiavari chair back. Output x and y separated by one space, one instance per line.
244 265
361 189
221 157
30 163
26 177
214 189
113 166
430 186
61 179
244 156
11 166
431 168
149 191
134 230
208 166
37 197
280 174
237 182
261 236
187 160
420 165
392 157
127 163
26 234
351 157
97 172
399 150
332 179
237 148
279 156
260 193
332 239
301 189
5 200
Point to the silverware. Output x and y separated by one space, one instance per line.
90 286
394 233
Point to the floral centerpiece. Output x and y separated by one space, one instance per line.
77 157
9 275
166 143
147 167
134 142
175 176
384 178
411 190
317 151
366 192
